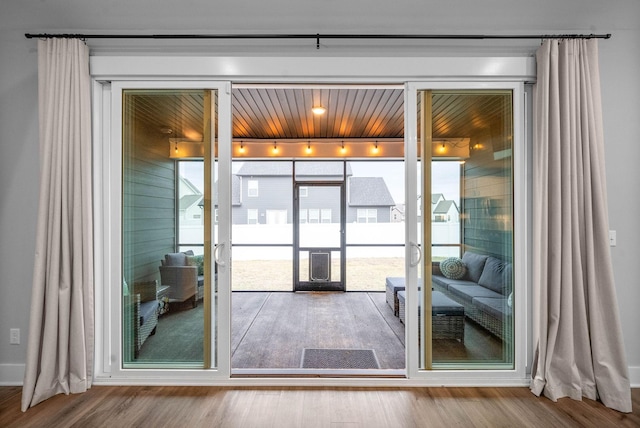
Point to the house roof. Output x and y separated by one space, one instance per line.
189 200
235 192
190 185
369 191
435 197
444 207
309 169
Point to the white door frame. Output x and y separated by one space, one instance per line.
107 230
520 255
110 73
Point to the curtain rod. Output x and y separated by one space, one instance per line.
319 36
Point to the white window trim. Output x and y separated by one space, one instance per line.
481 72
250 215
252 188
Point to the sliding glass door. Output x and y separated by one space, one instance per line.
461 291
172 226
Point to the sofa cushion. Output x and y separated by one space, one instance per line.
475 264
148 311
175 259
442 282
467 293
453 268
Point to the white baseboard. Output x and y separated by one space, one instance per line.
11 374
634 376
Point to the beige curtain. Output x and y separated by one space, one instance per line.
60 343
577 335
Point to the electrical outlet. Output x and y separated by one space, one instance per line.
612 238
14 336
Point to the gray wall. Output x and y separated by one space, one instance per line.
19 161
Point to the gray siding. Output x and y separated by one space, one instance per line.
487 206
148 203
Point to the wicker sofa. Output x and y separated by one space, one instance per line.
485 291
143 307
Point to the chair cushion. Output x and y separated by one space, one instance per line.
175 259
475 264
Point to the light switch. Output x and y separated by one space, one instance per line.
612 238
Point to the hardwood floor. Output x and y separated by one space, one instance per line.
201 406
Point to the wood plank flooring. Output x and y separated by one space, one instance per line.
283 324
202 406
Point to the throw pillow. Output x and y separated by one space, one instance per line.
175 259
453 268
493 275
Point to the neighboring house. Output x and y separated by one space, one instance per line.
190 204
397 213
446 212
265 194
369 200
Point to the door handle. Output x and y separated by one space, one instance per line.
417 247
216 254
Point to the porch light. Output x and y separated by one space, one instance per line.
275 147
342 148
241 147
308 147
375 147
318 110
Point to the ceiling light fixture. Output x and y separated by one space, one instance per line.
318 110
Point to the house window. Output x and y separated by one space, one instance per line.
304 191
252 188
367 215
252 216
303 215
314 216
325 215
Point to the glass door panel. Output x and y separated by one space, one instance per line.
465 219
169 179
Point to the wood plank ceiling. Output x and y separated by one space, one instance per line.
352 113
